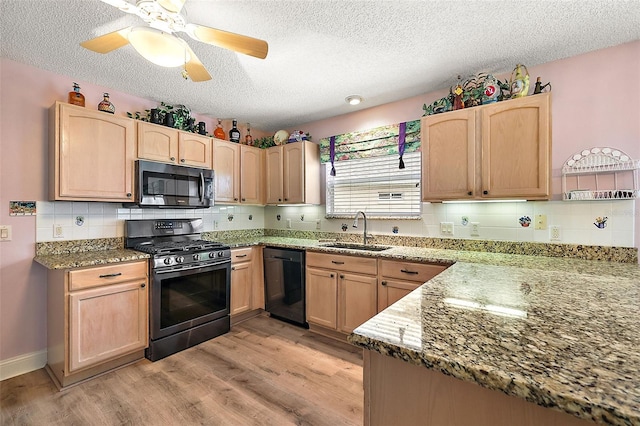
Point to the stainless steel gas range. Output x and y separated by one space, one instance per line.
189 283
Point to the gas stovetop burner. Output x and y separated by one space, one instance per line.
169 247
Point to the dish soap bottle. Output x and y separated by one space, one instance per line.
219 132
75 97
234 133
105 105
248 139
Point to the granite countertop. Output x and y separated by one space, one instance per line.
559 332
88 258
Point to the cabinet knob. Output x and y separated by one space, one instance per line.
182 160
143 285
128 195
173 158
384 283
233 268
485 192
279 199
470 193
286 199
235 199
244 199
341 276
331 275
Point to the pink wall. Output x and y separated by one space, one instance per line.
595 102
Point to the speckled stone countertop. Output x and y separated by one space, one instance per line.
88 258
559 332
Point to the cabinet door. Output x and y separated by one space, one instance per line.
107 322
516 148
157 143
356 300
390 291
251 177
322 293
274 183
94 156
448 155
241 287
226 167
293 172
194 150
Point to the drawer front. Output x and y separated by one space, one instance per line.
408 271
105 275
362 265
242 255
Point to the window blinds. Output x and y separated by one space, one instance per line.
376 186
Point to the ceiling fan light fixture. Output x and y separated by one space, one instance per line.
353 99
166 50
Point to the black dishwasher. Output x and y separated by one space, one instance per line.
284 284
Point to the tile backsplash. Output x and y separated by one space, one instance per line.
576 222
83 220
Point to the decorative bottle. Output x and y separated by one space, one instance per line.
234 133
248 139
75 97
219 132
105 105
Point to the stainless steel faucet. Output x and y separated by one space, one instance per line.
355 225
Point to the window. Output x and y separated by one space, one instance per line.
375 185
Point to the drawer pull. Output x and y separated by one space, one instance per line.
337 262
384 283
406 271
241 255
117 274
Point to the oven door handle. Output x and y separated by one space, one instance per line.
201 188
187 268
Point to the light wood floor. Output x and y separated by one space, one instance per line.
264 372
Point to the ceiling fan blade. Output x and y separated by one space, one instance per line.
236 42
197 71
173 6
108 42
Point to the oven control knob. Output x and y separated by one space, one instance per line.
179 259
167 261
212 255
220 254
196 256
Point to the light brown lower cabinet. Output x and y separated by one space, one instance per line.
396 279
247 281
97 320
341 290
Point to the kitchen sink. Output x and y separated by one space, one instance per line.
353 246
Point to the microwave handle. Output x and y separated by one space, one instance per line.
201 188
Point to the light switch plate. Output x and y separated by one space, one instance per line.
5 232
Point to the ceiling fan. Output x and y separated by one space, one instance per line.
158 43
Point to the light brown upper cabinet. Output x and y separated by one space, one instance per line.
172 146
496 151
238 173
293 173
92 155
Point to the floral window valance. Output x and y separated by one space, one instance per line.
394 139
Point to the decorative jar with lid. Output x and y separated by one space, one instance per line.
105 105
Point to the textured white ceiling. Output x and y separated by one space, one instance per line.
320 51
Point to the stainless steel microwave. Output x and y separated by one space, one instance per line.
170 186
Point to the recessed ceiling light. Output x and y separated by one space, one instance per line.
353 99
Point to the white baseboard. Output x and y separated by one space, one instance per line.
22 364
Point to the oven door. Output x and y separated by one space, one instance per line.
186 298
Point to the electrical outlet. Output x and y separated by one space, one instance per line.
58 231
475 229
318 224
554 233
289 223
541 221
446 228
